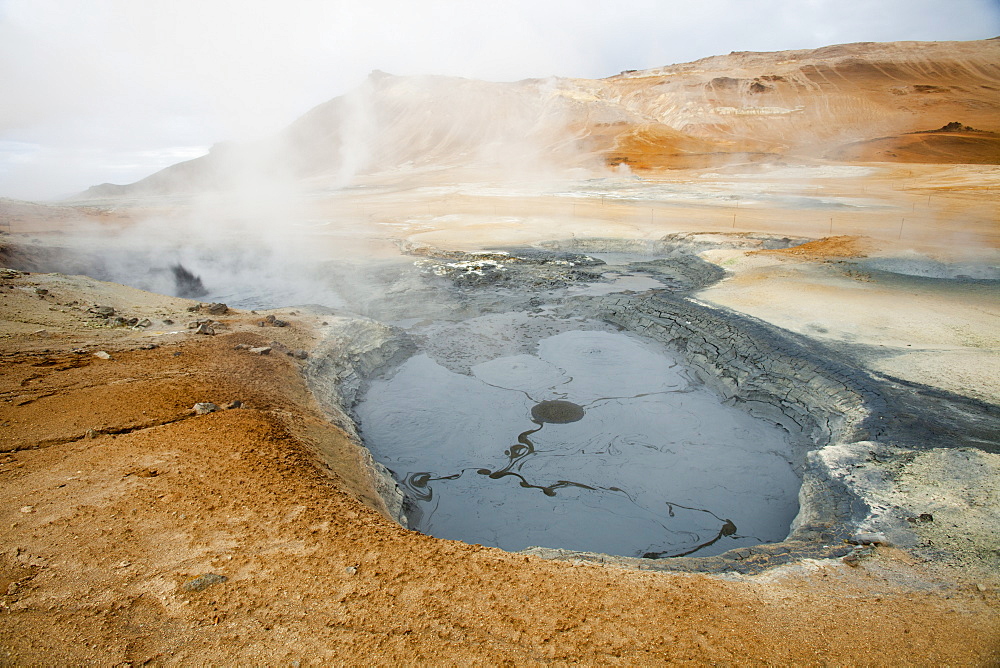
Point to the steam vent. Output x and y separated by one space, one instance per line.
639 370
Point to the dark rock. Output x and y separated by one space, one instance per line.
186 283
205 328
234 404
103 311
215 308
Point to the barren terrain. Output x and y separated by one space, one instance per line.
137 530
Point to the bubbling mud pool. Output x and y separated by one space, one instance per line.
583 439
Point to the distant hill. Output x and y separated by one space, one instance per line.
857 102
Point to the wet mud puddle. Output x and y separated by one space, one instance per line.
516 430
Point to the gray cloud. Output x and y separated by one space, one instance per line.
111 90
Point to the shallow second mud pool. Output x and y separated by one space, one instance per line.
515 430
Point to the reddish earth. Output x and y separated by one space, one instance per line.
117 495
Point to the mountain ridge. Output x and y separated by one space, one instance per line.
826 103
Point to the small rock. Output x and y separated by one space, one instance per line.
215 308
299 354
860 552
241 346
41 292
40 332
263 350
279 323
203 582
871 539
132 322
269 319
168 321
981 587
104 355
145 322
205 407
123 564
205 329
234 404
92 433
103 311
27 509
147 473
351 570
192 309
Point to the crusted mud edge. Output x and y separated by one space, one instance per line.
854 432
352 351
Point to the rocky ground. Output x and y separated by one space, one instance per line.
137 531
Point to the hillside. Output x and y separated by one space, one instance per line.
858 102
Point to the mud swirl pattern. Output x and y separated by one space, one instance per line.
596 441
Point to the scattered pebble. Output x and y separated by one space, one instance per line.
27 509
263 350
234 404
204 407
104 355
202 582
351 570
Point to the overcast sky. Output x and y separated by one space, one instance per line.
95 91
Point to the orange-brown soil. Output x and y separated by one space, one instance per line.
827 247
116 495
972 148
